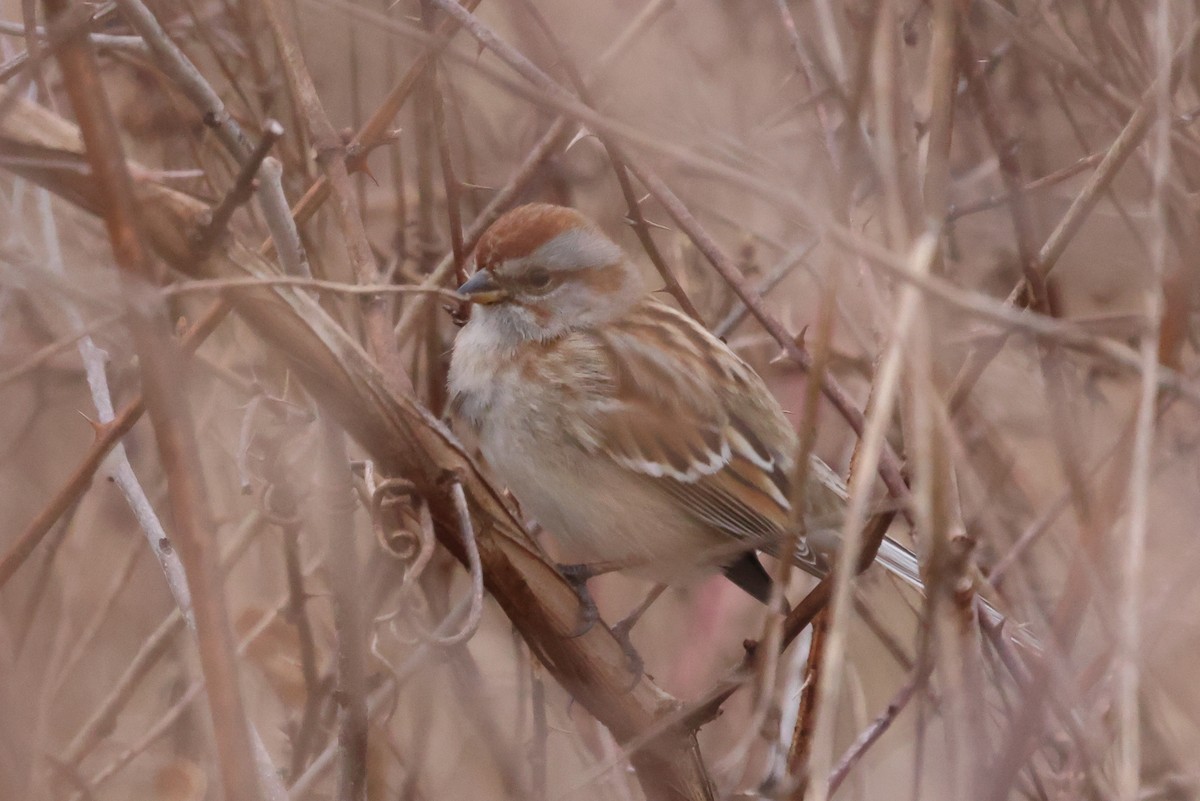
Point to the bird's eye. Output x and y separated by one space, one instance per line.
537 278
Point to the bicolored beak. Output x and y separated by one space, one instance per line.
482 288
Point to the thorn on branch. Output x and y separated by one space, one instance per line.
98 428
628 220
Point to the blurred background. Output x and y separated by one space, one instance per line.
1046 404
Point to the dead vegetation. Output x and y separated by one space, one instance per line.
243 558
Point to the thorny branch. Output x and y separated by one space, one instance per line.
396 431
169 415
972 125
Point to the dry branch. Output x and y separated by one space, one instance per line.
169 413
846 130
405 440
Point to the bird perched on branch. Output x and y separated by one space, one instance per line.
636 437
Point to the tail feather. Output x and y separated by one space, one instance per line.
894 557
903 564
900 562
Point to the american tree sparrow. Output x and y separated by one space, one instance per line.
627 430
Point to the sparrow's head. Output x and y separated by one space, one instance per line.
542 270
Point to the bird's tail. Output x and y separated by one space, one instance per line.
829 491
902 563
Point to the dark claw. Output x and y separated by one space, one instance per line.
637 665
623 628
578 576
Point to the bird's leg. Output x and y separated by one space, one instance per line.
578 575
625 625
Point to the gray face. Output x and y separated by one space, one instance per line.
576 279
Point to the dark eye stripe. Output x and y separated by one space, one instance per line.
537 277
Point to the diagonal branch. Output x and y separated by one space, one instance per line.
407 441
169 414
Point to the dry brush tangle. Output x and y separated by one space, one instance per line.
406 441
956 237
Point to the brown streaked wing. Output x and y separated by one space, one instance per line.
702 439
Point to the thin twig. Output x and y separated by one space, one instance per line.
886 387
91 733
242 188
958 211
331 156
282 508
163 725
107 437
450 182
1129 709
801 746
169 415
474 601
100 40
336 287
870 735
139 502
1051 251
782 269
555 137
374 131
616 156
334 510
41 355
200 92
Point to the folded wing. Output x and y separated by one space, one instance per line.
671 402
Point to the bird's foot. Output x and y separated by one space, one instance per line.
578 576
624 628
633 659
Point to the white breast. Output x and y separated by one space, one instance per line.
476 368
597 509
